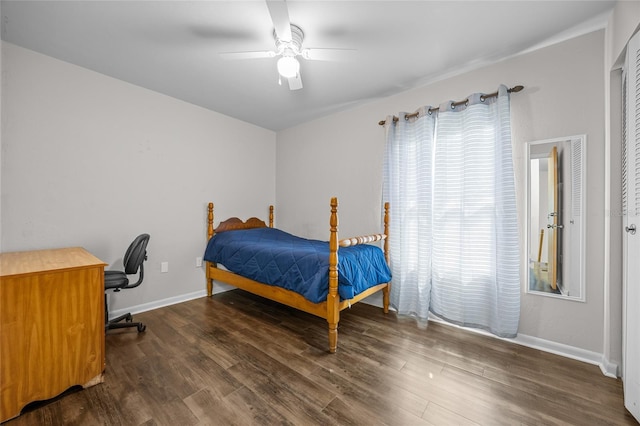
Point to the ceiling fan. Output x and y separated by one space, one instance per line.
288 40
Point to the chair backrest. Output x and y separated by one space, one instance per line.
136 254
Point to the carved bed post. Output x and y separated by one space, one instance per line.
271 216
387 290
333 299
209 236
210 222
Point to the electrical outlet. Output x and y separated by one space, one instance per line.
164 267
198 262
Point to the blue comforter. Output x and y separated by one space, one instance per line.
274 257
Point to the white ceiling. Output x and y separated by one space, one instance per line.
172 46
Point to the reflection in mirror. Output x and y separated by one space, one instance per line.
556 221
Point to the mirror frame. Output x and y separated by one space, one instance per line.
581 256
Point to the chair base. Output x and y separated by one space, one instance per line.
116 323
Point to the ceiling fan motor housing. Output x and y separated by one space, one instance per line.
291 47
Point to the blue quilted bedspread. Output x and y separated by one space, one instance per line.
274 257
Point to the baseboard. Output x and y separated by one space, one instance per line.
158 304
609 369
218 288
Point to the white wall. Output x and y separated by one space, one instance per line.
88 160
342 155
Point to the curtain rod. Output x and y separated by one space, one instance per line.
514 89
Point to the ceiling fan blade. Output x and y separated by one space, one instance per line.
329 54
280 17
247 55
295 83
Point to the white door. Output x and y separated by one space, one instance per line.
631 238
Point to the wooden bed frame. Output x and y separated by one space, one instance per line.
329 309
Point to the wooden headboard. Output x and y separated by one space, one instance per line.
234 223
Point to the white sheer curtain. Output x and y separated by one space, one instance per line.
454 247
408 177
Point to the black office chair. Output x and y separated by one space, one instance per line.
117 280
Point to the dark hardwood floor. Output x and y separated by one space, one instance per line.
239 359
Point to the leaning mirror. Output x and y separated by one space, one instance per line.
555 237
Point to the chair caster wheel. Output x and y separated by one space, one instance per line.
141 328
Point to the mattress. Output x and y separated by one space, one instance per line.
274 257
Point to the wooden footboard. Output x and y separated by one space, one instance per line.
329 309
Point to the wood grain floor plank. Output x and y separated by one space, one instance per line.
203 337
283 396
385 409
343 413
433 344
438 415
254 410
211 409
205 372
281 336
259 368
237 359
521 406
370 376
295 359
555 389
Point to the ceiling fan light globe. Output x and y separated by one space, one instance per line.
288 66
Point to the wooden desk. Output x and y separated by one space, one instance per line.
51 325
